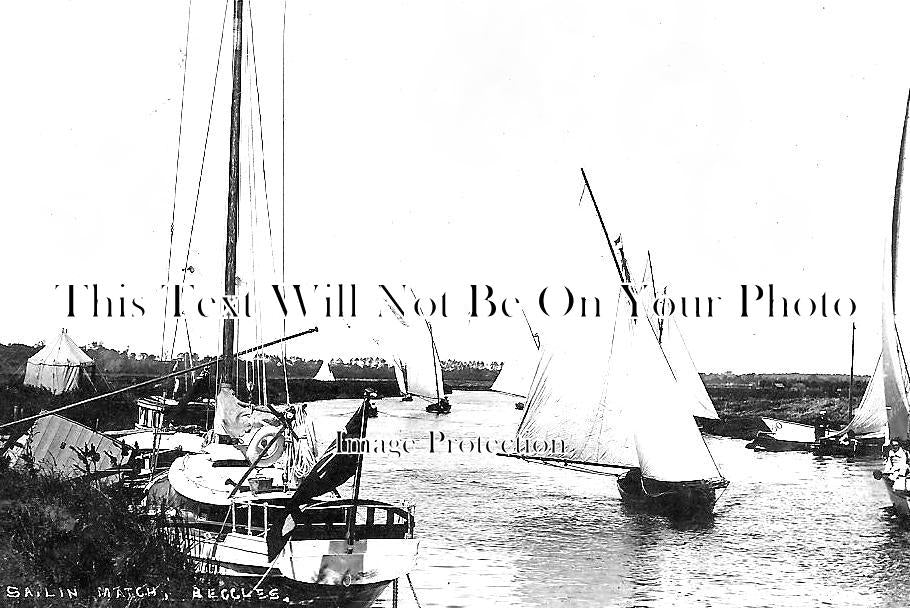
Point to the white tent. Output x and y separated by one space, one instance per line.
59 366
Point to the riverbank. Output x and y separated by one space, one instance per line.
740 407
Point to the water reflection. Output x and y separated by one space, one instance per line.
792 529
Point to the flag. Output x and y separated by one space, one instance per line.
332 470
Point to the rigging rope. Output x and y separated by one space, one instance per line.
205 148
413 591
170 250
284 321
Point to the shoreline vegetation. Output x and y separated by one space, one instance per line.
740 399
76 542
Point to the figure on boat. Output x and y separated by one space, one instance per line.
440 407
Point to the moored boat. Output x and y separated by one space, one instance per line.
783 436
250 517
864 435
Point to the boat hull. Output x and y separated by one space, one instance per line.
678 500
289 592
856 448
900 498
765 442
312 572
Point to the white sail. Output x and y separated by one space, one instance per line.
401 375
684 370
870 419
620 406
579 396
674 347
669 444
324 373
896 313
515 377
414 355
518 370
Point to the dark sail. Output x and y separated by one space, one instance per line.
332 470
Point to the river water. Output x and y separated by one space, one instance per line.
792 529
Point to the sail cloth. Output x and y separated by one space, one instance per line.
412 350
332 470
579 397
684 370
517 371
620 406
896 308
668 442
676 351
870 418
70 449
59 366
324 373
605 388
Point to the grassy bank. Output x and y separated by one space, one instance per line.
61 540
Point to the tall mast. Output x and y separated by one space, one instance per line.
850 390
230 254
603 226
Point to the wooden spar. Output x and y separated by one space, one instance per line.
850 390
622 277
567 461
214 361
663 308
352 512
534 336
896 213
603 226
435 357
230 251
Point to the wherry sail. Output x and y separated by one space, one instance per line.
607 390
895 323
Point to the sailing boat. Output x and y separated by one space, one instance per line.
324 374
867 427
620 411
516 374
248 502
895 319
412 351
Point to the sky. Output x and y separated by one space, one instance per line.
438 145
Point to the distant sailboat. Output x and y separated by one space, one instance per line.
783 436
607 391
896 322
517 372
412 351
324 374
865 433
